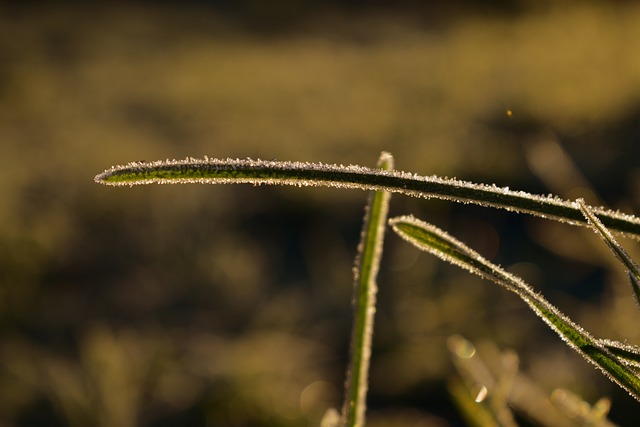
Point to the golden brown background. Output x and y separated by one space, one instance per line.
230 306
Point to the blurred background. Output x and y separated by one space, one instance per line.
231 305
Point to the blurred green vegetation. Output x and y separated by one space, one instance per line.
198 305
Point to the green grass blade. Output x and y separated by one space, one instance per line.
367 266
431 239
606 236
629 354
215 171
635 285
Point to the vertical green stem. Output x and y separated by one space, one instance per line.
365 289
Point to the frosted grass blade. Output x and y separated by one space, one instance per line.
606 236
257 172
365 289
628 354
431 239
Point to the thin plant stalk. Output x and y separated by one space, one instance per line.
258 172
365 289
603 232
431 239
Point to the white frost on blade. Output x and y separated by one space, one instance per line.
219 171
632 357
603 232
447 248
366 269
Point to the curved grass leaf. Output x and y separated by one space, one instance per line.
627 353
431 239
366 271
257 172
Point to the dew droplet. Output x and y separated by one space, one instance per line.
480 392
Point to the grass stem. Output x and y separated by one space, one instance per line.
365 289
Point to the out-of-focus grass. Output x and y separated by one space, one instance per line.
121 306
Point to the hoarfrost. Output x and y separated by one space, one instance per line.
431 239
271 172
